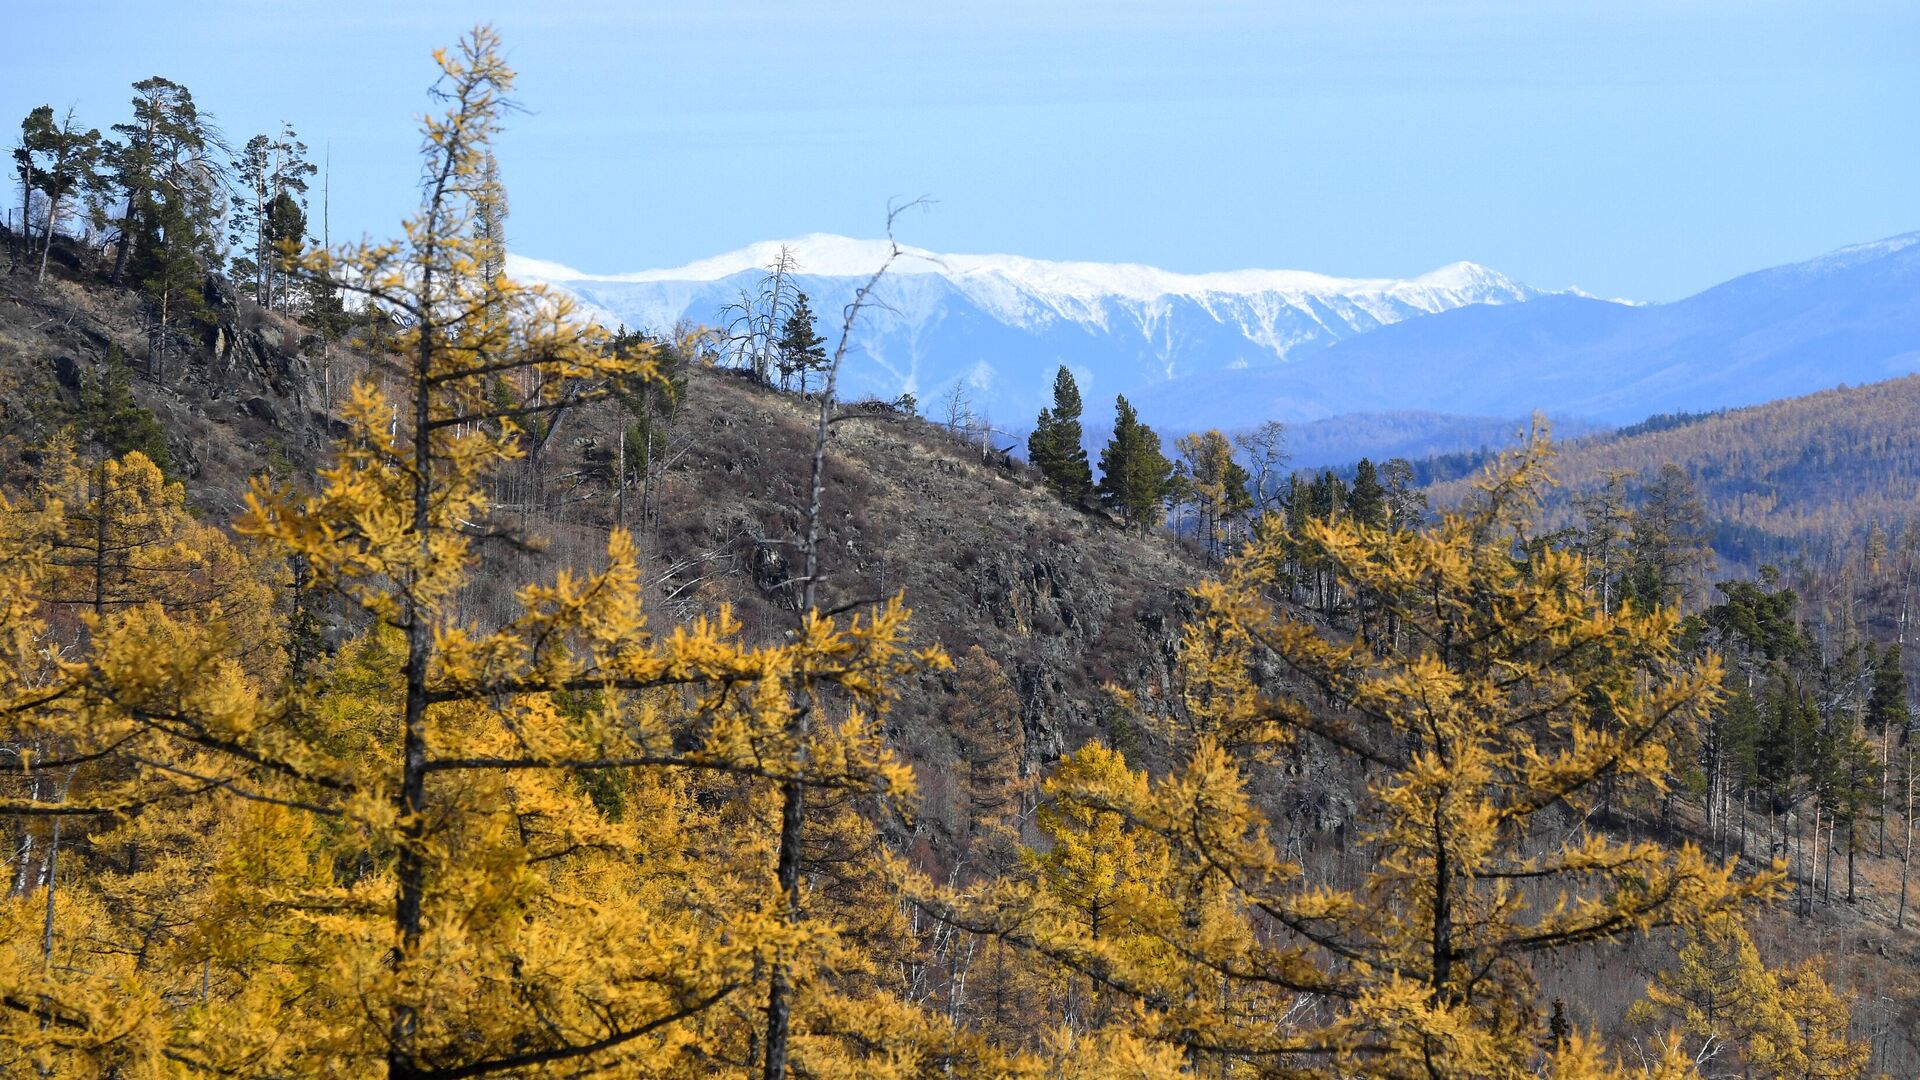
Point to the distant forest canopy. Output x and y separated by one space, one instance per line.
1436 469
1807 479
1420 436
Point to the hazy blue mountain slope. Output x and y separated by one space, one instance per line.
1466 367
1849 317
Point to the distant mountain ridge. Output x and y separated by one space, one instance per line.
1377 365
1852 316
1003 323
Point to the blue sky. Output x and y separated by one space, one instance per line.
1644 150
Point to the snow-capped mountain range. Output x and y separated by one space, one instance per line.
1851 316
1003 323
1420 355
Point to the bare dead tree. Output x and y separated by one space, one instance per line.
753 321
1908 806
1265 448
956 406
793 788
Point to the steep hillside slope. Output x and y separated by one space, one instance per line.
247 397
1061 601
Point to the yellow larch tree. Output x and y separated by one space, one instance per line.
1485 701
1786 1025
560 843
1820 1044
1720 994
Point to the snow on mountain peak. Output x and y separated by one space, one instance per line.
1005 323
829 255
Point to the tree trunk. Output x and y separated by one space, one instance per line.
53 218
100 537
410 863
160 339
23 240
1740 807
1826 886
1886 765
1906 848
124 246
46 931
23 875
620 482
1850 853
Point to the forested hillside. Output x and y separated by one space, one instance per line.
1809 477
402 675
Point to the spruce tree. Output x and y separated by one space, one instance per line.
802 350
109 416
1135 476
1055 447
1041 444
1367 501
1887 707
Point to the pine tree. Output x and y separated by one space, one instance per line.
653 403
801 350
1887 708
1055 447
271 178
1135 478
61 162
167 267
1406 503
1367 499
167 157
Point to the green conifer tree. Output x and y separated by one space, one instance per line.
167 267
802 350
109 416
1136 477
1055 447
61 162
1367 500
1669 546
1887 707
166 158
